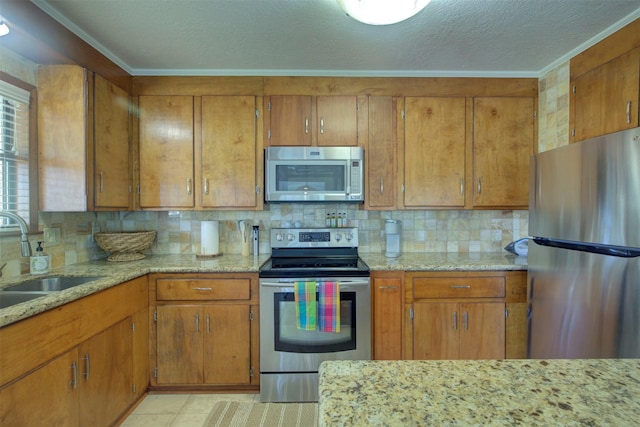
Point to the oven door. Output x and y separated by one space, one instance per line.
284 348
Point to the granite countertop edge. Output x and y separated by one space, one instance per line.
113 273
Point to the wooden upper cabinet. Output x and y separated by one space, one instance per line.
230 164
166 152
337 121
502 147
434 160
290 120
606 97
112 157
83 141
381 153
302 120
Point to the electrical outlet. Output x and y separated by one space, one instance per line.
52 236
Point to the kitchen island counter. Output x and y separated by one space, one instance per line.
478 393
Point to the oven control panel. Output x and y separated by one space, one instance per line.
314 237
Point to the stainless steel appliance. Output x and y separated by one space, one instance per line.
584 264
314 174
290 357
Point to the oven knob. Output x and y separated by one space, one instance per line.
338 237
279 237
349 237
291 237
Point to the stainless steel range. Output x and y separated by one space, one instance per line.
289 355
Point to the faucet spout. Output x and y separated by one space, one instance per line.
24 229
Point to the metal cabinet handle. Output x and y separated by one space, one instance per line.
321 125
460 286
188 185
628 112
208 324
455 320
202 289
206 186
101 182
306 125
74 375
461 185
479 185
87 366
387 287
466 321
197 323
382 184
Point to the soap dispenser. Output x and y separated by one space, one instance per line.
39 263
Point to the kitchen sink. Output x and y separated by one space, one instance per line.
50 284
9 298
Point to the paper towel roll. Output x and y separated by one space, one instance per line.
209 237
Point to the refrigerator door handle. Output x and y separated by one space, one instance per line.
616 251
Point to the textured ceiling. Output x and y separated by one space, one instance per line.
519 38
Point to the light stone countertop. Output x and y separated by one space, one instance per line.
113 273
595 392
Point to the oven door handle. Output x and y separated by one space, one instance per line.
344 284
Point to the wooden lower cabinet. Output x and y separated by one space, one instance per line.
465 315
44 397
387 315
458 330
206 331
76 365
204 344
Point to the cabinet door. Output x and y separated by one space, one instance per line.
606 98
64 128
227 344
179 344
381 153
48 396
434 153
111 146
229 155
337 120
387 318
502 148
140 352
166 152
482 330
435 327
106 371
290 120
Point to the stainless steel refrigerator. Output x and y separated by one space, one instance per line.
584 257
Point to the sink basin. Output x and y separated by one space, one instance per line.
50 284
9 298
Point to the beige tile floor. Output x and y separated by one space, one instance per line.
178 410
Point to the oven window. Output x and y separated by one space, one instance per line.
311 177
289 338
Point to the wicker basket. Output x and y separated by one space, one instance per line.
125 245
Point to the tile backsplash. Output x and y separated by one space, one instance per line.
179 232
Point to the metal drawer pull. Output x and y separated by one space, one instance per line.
202 289
188 185
382 184
87 366
455 320
306 125
460 286
388 287
461 185
321 125
101 182
628 112
480 185
206 186
74 375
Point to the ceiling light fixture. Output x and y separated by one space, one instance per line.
382 12
4 28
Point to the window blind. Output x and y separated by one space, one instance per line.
14 153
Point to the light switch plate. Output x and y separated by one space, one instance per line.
52 237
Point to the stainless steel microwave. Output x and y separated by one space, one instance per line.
314 174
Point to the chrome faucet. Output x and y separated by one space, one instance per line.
24 229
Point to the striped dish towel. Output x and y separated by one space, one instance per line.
329 310
305 302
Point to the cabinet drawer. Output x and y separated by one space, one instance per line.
459 287
203 289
